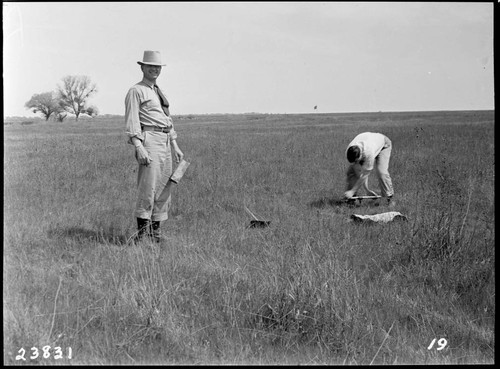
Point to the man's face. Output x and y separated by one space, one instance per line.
151 72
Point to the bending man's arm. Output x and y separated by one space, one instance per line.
362 181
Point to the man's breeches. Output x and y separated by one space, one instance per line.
152 180
382 168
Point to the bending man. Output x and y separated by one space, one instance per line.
367 151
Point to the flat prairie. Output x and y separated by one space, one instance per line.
311 287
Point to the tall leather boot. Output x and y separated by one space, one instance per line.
142 228
156 230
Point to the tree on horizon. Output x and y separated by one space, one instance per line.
45 103
74 94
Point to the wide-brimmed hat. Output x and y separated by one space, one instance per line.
151 58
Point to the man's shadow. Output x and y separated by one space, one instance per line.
328 202
110 236
339 202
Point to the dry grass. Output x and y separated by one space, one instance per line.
313 288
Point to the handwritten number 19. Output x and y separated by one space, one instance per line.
442 342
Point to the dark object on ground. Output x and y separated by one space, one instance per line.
256 222
259 223
353 199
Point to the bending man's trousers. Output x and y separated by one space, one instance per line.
153 186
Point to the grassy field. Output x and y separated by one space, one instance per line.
312 288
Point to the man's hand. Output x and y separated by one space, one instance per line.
178 155
348 194
142 155
177 152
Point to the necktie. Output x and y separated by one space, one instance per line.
163 100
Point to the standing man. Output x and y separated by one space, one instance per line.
367 151
150 129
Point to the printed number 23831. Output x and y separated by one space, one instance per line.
44 353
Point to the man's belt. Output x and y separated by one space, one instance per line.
158 129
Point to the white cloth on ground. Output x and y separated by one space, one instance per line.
379 218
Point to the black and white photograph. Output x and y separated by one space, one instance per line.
248 183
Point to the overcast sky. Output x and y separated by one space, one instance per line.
239 57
